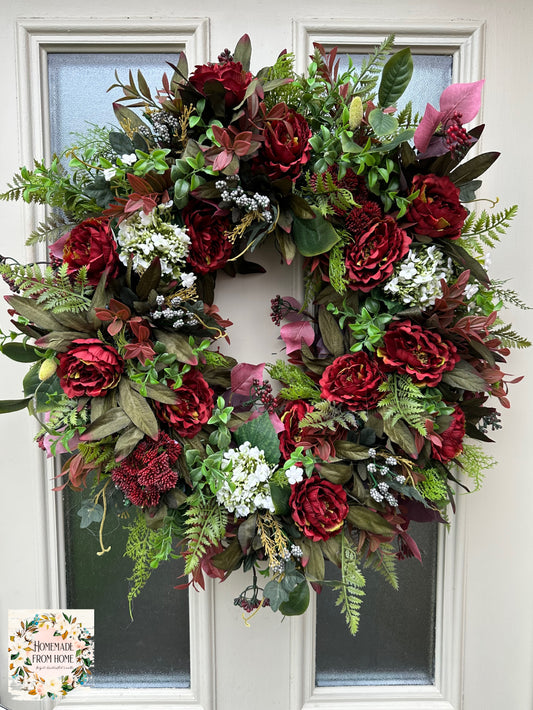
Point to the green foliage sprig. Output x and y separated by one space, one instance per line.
351 586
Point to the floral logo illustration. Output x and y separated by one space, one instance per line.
50 652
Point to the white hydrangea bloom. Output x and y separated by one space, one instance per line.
246 488
143 236
416 279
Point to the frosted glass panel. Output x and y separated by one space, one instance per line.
431 75
395 644
78 83
152 650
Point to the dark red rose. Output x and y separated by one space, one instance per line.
207 227
193 407
437 210
286 147
449 443
353 380
318 507
319 441
422 354
230 74
90 244
146 473
89 369
370 258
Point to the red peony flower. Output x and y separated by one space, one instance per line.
89 369
437 210
318 507
370 258
90 244
207 226
146 473
422 354
449 443
353 380
286 148
230 74
193 406
318 440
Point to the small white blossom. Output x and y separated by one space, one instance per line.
128 158
294 474
416 279
187 279
109 173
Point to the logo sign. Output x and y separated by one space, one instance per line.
50 652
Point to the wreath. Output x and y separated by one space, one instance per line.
393 354
73 643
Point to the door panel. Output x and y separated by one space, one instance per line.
270 665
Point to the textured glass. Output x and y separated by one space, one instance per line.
395 644
153 649
150 650
431 75
77 85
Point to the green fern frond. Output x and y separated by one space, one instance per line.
383 560
138 549
405 117
475 463
99 453
403 400
327 195
510 338
215 359
50 230
206 526
351 586
485 230
508 296
434 487
51 288
298 384
162 540
327 415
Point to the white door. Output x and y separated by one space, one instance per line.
484 624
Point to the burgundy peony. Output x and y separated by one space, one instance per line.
230 74
318 440
146 473
353 380
422 354
193 406
207 226
449 443
436 211
286 148
318 507
370 258
90 244
89 369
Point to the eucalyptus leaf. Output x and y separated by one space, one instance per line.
90 512
313 236
297 602
383 124
464 376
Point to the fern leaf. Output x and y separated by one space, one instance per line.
510 338
351 588
50 230
206 526
475 463
404 400
383 561
485 230
327 415
298 384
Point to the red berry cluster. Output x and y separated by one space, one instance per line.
457 137
248 605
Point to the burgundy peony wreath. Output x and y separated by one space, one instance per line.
393 357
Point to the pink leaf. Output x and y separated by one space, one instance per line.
463 98
243 375
222 160
294 333
426 128
276 422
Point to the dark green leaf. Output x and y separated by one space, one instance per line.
99 191
127 441
20 352
473 168
353 452
260 432
113 421
297 602
230 558
28 308
243 52
338 473
464 259
395 77
465 377
332 549
43 392
280 498
177 345
366 519
331 333
137 408
13 405
120 143
150 279
158 392
275 593
402 435
313 236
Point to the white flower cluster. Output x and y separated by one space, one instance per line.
145 236
246 487
416 279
